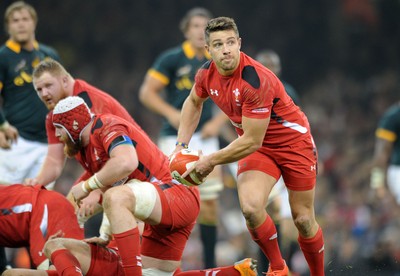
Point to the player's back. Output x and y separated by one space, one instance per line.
16 204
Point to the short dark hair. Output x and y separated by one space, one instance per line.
198 11
220 24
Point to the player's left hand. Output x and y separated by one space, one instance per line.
58 234
11 133
97 240
202 167
78 193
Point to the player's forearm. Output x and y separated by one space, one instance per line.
50 171
159 106
190 117
238 149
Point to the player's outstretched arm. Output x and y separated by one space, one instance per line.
52 166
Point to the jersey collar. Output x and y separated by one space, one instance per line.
190 52
16 47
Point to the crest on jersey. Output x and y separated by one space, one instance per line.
236 93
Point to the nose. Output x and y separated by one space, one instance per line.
226 49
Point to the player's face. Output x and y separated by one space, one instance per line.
50 89
21 26
70 148
195 32
224 48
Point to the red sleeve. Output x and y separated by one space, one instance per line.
109 132
51 130
201 91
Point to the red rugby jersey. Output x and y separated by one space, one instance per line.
109 131
254 91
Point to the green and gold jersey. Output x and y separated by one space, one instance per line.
176 68
389 129
22 107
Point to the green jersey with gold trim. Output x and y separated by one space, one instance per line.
389 129
176 68
22 107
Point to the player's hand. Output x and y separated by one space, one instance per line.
4 142
78 193
58 234
202 168
91 204
30 182
11 133
97 240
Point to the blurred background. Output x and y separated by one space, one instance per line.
342 57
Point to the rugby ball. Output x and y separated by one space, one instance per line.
180 162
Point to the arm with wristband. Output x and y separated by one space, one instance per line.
123 161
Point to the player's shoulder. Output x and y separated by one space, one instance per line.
393 111
171 53
254 73
250 71
3 48
48 50
4 52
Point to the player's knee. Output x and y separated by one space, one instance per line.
304 224
52 245
252 210
116 197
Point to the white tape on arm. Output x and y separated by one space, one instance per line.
105 228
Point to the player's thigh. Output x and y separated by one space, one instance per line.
147 205
254 188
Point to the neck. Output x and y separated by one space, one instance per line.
27 45
70 85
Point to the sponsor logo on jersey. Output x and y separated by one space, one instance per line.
260 110
214 92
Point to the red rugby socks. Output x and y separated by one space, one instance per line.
313 250
66 263
267 239
128 243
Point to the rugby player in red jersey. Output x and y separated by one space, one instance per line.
29 215
274 140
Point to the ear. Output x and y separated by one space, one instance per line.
64 81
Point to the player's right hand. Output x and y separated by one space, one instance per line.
30 182
4 142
